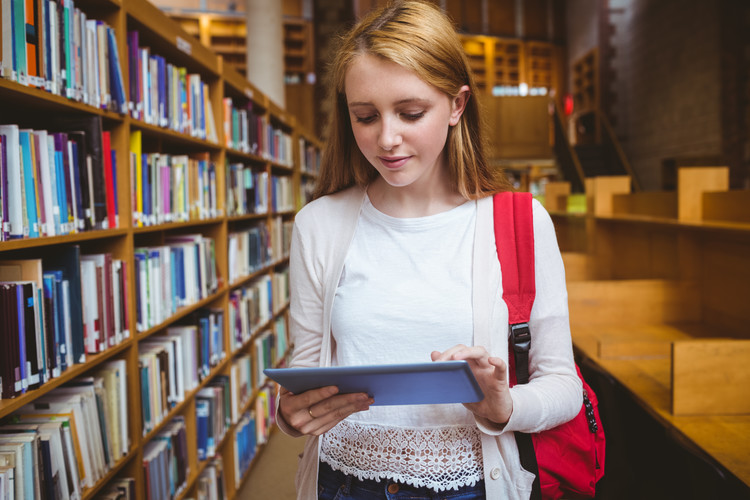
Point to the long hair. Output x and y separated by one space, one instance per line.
417 36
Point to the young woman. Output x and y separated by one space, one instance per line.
394 262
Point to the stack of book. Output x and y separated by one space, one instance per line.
212 415
247 190
54 46
249 251
171 188
242 127
309 157
282 194
165 95
67 440
165 461
171 276
58 181
241 384
210 484
47 326
172 364
250 307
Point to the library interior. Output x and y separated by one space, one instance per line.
154 154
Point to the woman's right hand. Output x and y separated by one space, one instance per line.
316 411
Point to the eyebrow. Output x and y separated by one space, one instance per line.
408 100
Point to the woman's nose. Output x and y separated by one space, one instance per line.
390 135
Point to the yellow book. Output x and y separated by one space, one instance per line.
137 169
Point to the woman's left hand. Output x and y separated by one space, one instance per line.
490 373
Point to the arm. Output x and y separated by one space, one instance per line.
316 411
553 395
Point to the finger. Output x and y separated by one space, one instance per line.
309 398
500 367
447 354
338 412
470 353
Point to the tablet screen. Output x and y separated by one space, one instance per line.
393 384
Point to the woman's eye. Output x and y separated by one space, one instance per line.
365 119
413 116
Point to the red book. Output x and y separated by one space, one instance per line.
109 183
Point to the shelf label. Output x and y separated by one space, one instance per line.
184 46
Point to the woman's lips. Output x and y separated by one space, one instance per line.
393 162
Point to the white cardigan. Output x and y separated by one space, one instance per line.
322 234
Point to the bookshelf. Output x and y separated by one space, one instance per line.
501 64
586 99
226 34
222 172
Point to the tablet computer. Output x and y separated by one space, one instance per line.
393 384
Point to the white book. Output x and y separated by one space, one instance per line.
91 324
116 297
83 401
52 172
15 187
93 64
50 432
13 453
46 182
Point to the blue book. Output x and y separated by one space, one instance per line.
51 305
68 261
145 400
180 253
48 44
205 334
201 421
173 279
114 182
29 186
63 177
115 73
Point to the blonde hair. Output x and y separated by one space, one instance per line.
418 36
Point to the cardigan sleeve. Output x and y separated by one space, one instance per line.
554 394
306 308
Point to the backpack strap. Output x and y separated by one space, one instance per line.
514 240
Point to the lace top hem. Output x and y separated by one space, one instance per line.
441 458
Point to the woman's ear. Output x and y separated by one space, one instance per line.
458 104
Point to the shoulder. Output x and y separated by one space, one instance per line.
331 206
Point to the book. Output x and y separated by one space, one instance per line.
12 171
68 260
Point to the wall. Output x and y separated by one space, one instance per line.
667 81
581 29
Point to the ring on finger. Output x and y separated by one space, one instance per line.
309 411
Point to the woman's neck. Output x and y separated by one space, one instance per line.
413 201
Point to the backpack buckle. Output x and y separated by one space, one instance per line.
521 337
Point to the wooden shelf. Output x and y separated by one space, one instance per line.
179 43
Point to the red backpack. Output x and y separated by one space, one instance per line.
567 460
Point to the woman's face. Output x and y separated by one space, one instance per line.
399 121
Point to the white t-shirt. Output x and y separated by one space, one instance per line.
406 291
